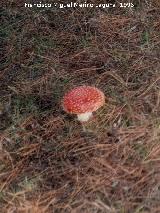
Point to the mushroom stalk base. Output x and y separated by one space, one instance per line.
83 117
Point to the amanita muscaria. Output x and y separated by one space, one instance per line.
83 100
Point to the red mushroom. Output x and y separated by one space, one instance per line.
83 100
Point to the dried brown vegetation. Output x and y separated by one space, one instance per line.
47 163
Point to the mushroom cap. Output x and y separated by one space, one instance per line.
83 99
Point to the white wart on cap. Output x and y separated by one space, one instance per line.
83 100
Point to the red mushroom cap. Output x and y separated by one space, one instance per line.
83 99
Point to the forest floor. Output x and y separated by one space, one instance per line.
48 164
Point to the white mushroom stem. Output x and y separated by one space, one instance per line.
83 117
